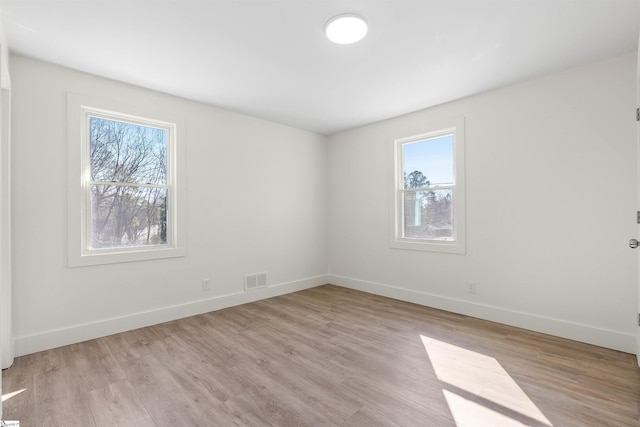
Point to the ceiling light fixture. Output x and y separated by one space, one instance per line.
346 28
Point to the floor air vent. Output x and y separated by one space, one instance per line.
255 281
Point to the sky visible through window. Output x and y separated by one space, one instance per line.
127 152
433 157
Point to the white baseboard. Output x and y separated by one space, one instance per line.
78 333
562 328
60 337
8 354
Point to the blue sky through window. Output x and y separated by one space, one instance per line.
433 157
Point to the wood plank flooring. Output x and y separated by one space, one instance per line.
327 356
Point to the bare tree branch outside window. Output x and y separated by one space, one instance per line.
129 189
428 206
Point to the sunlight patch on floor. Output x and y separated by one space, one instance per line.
469 413
10 395
478 390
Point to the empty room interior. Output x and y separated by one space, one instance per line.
251 213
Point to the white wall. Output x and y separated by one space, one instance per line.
551 200
6 336
6 324
551 196
256 202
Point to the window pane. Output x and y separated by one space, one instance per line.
428 162
124 216
428 215
125 152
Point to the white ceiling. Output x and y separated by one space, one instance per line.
270 59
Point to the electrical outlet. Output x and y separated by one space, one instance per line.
206 284
471 287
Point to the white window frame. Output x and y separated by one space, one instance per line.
453 127
79 110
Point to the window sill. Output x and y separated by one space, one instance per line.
429 246
122 256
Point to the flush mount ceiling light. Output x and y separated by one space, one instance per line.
346 28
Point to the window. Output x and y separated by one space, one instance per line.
428 191
124 203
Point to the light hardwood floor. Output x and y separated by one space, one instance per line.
326 356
